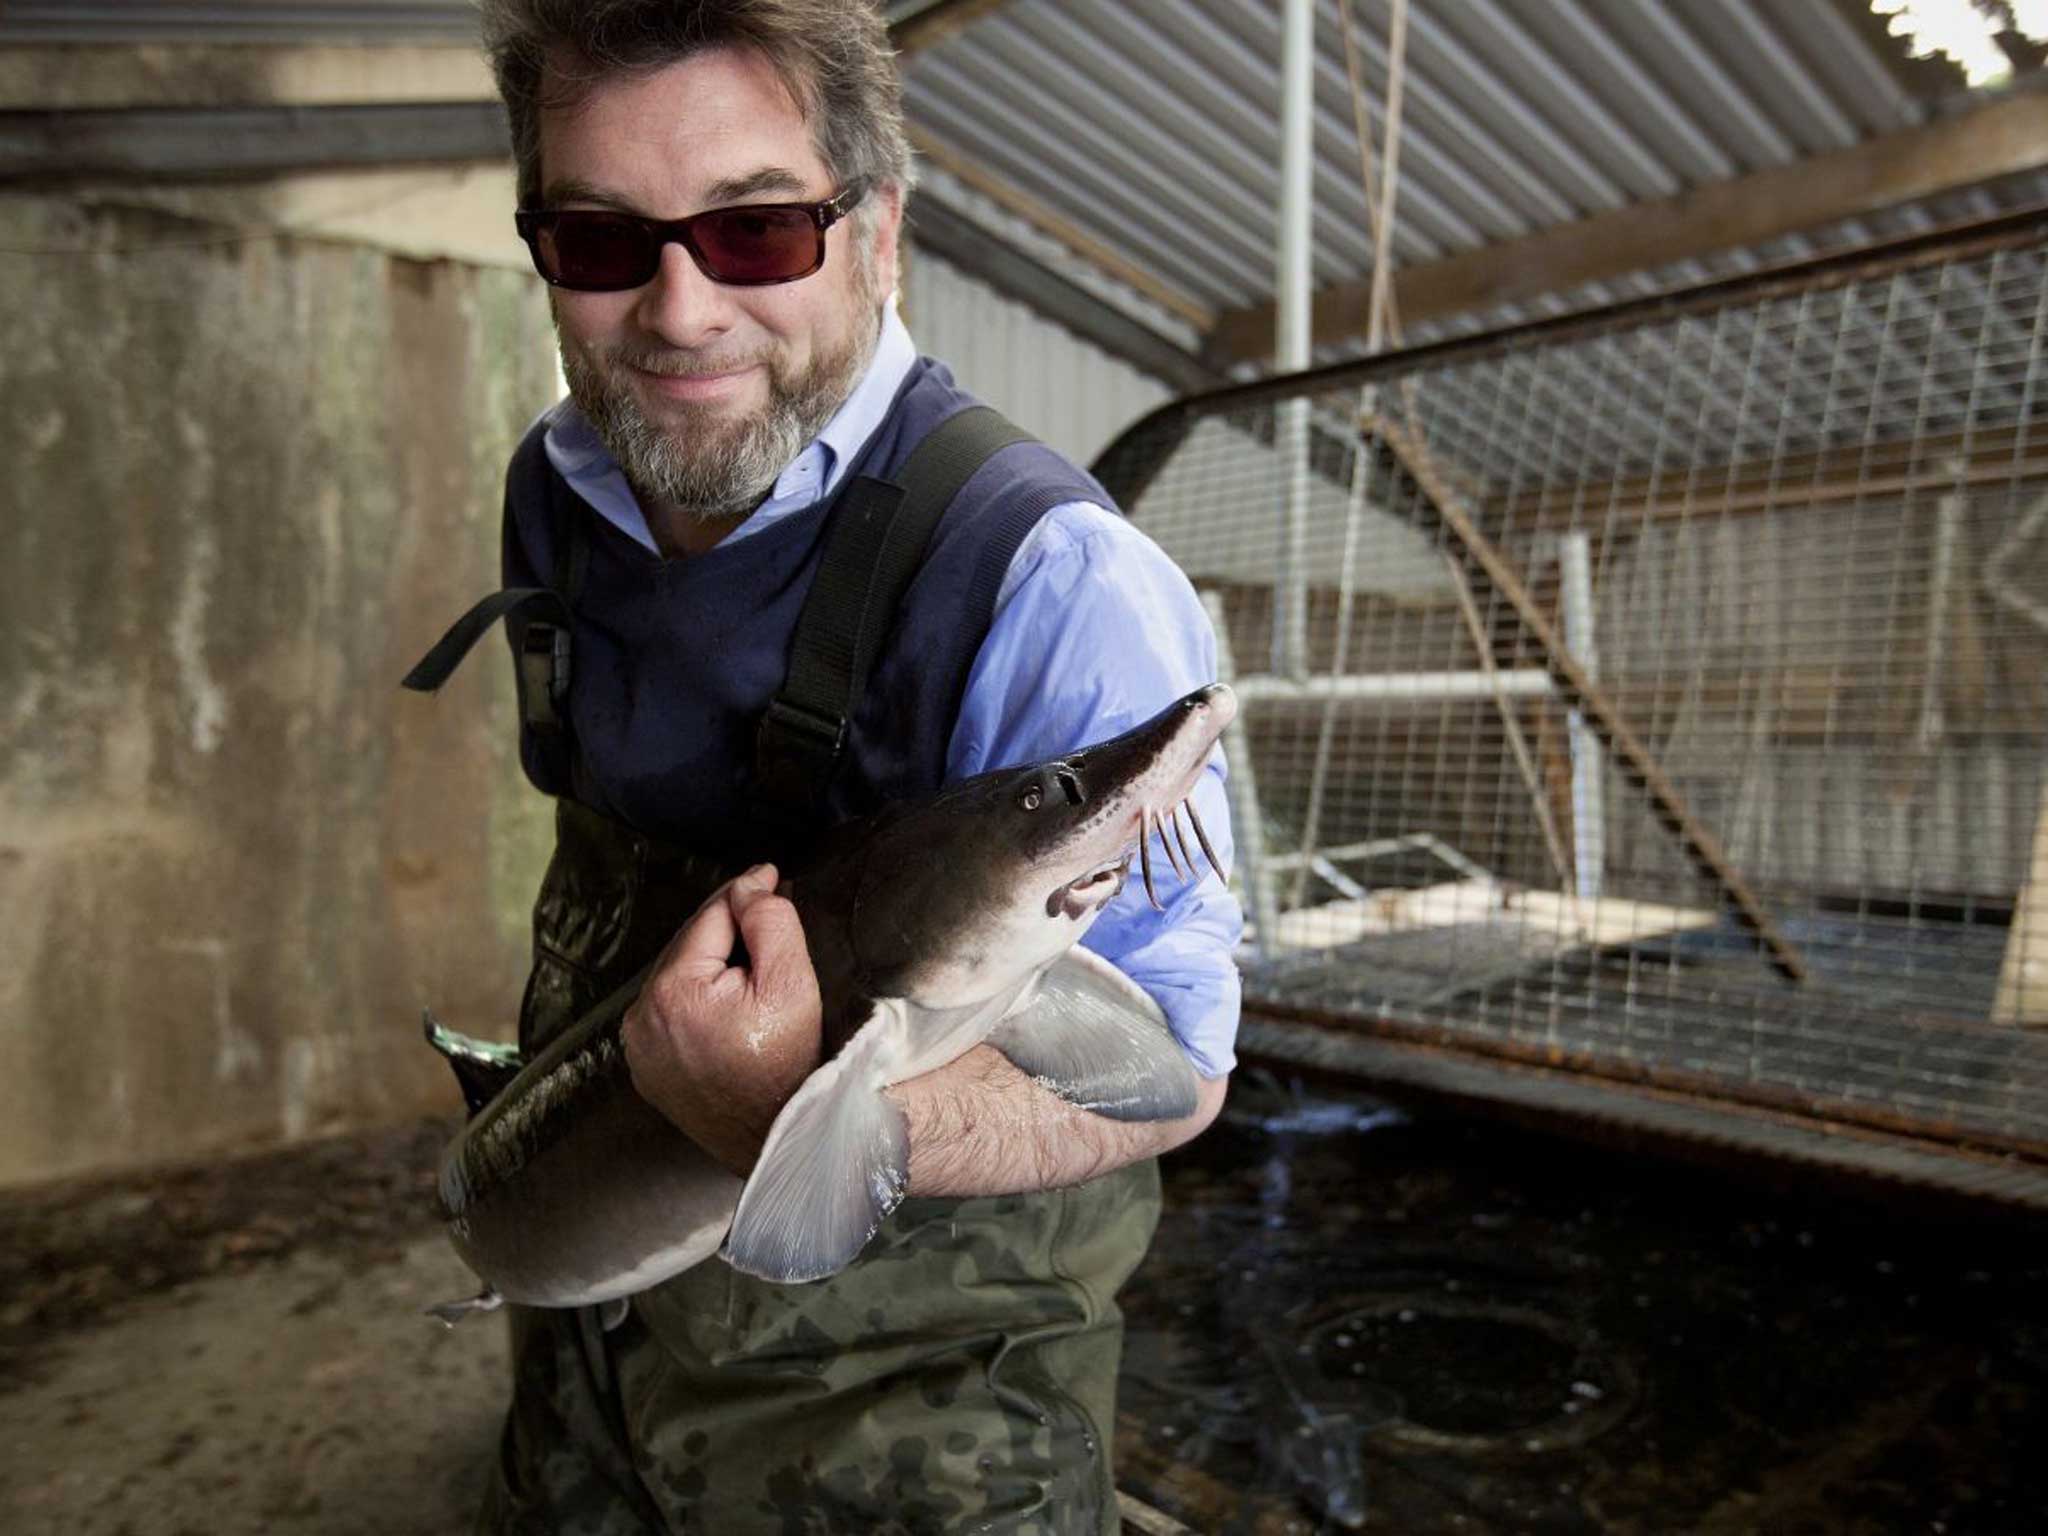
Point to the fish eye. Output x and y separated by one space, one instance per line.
1032 798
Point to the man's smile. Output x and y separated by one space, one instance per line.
696 388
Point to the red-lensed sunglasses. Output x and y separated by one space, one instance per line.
749 245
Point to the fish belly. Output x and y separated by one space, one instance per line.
601 1204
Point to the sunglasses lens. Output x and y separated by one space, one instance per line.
596 250
758 245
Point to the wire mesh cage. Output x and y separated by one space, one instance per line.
1661 692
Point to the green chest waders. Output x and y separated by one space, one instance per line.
961 1375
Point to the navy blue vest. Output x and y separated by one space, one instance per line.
675 660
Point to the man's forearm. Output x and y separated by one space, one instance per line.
978 1126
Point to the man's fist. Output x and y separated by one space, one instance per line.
719 1047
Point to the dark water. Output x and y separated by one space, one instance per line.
1351 1320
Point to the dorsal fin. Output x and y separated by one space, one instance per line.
482 1067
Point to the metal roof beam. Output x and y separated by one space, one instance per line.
2004 138
208 143
913 26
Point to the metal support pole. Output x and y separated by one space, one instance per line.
1589 810
1293 284
1948 528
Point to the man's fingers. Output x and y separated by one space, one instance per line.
780 959
769 924
705 945
706 939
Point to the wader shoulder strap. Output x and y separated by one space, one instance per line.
873 548
540 629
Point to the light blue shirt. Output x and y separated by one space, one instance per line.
1095 630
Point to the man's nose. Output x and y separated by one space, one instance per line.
680 304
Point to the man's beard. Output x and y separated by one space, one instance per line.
704 461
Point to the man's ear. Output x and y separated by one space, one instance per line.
888 224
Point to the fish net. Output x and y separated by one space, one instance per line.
1660 693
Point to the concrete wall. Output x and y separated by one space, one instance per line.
248 479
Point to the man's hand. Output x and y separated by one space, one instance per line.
717 1047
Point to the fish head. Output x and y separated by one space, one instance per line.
988 882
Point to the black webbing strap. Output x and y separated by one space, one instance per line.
873 548
542 652
439 664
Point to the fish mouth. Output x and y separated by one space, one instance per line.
1097 888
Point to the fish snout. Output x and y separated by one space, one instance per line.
1214 707
1198 719
1204 715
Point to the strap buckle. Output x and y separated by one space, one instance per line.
822 735
795 751
544 673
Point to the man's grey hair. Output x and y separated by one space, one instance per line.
832 55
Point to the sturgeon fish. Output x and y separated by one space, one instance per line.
934 925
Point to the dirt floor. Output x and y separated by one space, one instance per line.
241 1348
1349 1321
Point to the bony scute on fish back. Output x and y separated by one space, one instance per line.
934 925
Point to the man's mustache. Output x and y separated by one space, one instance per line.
672 364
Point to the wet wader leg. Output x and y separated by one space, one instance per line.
563 1467
960 1377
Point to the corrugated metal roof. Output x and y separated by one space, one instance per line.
1153 126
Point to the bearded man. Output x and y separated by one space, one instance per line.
714 192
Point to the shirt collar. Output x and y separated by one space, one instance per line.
580 457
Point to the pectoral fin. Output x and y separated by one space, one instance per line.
1099 1041
836 1162
452 1312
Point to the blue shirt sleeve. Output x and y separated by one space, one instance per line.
1096 631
